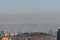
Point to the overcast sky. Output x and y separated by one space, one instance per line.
29 11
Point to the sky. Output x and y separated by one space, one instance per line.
29 6
29 11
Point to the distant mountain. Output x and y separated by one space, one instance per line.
43 27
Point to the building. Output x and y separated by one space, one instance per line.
4 38
58 34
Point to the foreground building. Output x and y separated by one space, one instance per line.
58 34
4 38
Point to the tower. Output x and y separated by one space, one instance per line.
58 34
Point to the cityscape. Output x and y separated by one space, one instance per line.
29 19
26 35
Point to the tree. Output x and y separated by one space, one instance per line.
2 33
50 32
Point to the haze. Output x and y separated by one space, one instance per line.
29 11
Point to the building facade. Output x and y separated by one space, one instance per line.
58 34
